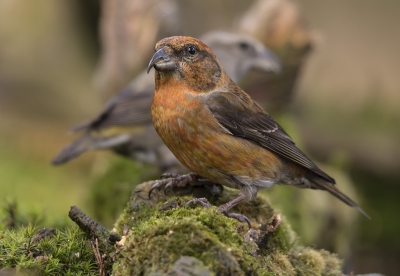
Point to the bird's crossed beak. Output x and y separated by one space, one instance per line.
161 61
267 61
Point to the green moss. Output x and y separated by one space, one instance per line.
278 264
159 234
180 232
67 252
333 265
308 261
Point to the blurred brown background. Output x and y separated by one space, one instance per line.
346 109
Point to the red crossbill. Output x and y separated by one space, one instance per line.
125 125
219 133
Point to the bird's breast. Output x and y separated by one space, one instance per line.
184 123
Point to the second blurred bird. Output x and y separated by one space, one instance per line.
124 125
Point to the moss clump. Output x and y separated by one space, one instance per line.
66 252
180 232
160 233
279 264
332 263
308 261
162 237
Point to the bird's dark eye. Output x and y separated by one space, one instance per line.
244 46
191 50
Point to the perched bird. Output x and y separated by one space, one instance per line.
219 133
124 124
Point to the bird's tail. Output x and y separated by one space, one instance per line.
324 185
73 150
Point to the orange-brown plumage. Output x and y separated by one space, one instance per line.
216 130
199 144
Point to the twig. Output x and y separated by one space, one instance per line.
92 228
99 258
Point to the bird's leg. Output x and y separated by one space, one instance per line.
224 208
171 180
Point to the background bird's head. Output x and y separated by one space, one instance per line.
188 60
239 53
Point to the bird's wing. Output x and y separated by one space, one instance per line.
125 109
242 117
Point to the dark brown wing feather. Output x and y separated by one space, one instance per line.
125 109
247 119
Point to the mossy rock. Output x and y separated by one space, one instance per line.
163 237
161 230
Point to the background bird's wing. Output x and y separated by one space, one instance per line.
242 117
125 109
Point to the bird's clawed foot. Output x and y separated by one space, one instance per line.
223 209
172 180
200 201
239 217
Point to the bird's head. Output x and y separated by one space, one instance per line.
186 59
239 54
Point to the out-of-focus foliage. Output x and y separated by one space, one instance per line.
111 188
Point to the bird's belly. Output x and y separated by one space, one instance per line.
203 147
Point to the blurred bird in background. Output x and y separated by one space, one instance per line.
280 26
124 125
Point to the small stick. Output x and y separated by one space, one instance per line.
99 259
91 227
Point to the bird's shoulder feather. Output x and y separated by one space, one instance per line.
240 116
